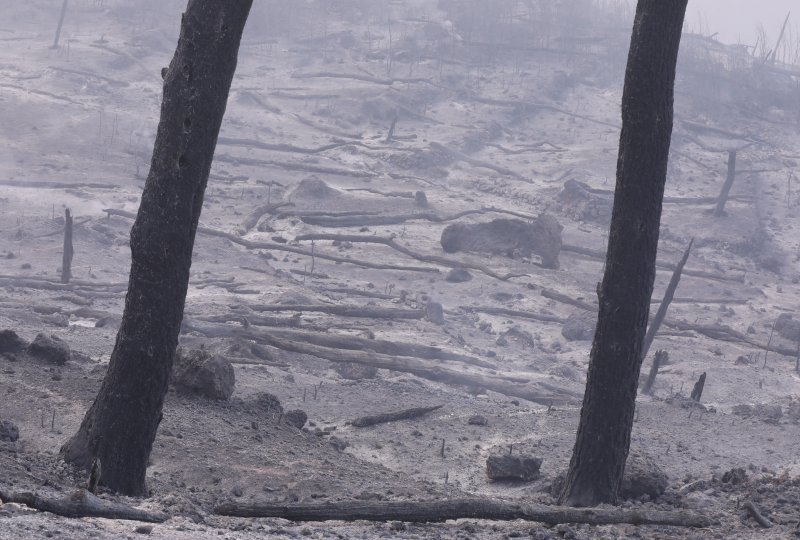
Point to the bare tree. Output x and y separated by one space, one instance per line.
121 424
603 439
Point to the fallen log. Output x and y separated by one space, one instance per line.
538 392
564 299
345 310
389 242
444 510
459 156
206 231
756 514
406 414
601 255
515 313
81 503
251 219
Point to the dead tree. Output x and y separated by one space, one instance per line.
121 424
603 439
669 294
60 24
660 358
66 259
697 391
726 187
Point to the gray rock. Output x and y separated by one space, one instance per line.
296 418
477 420
642 476
354 371
50 348
434 313
268 402
513 467
10 342
578 327
197 371
458 275
508 237
9 432
787 327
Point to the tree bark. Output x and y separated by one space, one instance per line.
121 424
81 503
603 439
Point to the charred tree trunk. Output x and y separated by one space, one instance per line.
719 210
603 439
60 24
121 424
66 259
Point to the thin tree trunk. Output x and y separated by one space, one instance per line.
121 424
669 294
726 187
66 259
60 24
603 439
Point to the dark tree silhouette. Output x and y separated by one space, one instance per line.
121 424
603 440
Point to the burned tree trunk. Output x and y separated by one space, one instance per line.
66 259
719 210
60 24
121 424
603 439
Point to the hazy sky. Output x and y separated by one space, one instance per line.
736 20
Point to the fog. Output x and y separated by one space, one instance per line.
397 272
738 21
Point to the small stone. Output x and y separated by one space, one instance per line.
237 491
420 199
458 275
9 432
513 467
144 529
296 418
50 348
477 420
338 443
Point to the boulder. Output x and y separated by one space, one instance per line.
513 467
50 348
434 313
458 275
510 237
198 372
10 342
9 432
578 328
787 327
642 477
477 420
296 418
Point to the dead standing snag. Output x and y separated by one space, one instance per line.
121 424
